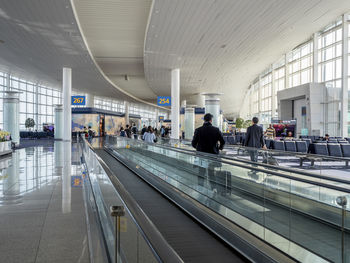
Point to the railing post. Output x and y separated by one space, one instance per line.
117 212
342 201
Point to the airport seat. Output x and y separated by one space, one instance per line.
225 139
278 145
268 143
320 148
342 141
345 148
231 140
332 141
301 146
290 146
334 150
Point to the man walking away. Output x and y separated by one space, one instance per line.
90 134
206 138
134 131
144 129
254 139
127 131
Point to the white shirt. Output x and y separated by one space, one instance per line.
149 137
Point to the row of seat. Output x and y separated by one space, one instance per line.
331 149
35 135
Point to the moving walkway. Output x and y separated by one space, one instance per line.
253 212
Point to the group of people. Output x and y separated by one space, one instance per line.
148 134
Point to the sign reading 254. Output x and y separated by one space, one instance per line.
164 101
78 100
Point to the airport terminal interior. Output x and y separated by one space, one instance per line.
174 131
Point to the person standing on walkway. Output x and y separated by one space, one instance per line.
128 131
207 138
149 136
254 139
134 131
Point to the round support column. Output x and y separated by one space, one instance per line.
212 106
58 122
90 100
11 114
189 123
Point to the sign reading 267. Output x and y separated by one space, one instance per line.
78 100
164 101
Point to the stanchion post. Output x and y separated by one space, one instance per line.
117 212
342 201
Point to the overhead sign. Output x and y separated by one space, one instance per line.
161 118
164 101
78 100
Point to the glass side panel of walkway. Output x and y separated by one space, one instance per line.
301 217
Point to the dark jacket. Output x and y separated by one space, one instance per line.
206 139
254 137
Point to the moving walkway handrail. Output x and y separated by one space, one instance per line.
151 234
239 163
286 169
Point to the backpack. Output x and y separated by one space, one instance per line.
134 129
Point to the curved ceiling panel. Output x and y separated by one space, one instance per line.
221 46
39 38
114 32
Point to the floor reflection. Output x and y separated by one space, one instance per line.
30 169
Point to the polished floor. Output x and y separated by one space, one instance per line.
42 214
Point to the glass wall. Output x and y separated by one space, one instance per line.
296 68
36 101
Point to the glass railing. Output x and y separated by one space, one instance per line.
297 214
129 243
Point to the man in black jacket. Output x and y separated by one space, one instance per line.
206 138
254 139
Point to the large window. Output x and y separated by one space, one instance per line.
36 101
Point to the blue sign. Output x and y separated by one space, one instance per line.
164 101
161 118
76 181
78 100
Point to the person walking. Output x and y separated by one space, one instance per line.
270 132
91 134
144 129
128 131
254 139
149 136
208 138
122 132
134 131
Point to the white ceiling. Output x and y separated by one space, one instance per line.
115 32
222 45
42 36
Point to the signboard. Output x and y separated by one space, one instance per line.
76 181
164 101
78 100
161 118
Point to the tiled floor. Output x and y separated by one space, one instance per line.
42 216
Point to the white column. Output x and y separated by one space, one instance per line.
58 122
11 114
200 101
315 58
157 117
126 110
67 108
189 122
212 106
175 103
260 98
36 106
344 90
66 177
90 100
286 72
8 86
273 94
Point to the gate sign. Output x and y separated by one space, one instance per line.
161 118
78 100
164 101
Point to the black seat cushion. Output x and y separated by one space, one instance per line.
321 148
345 150
301 146
290 146
334 150
278 145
